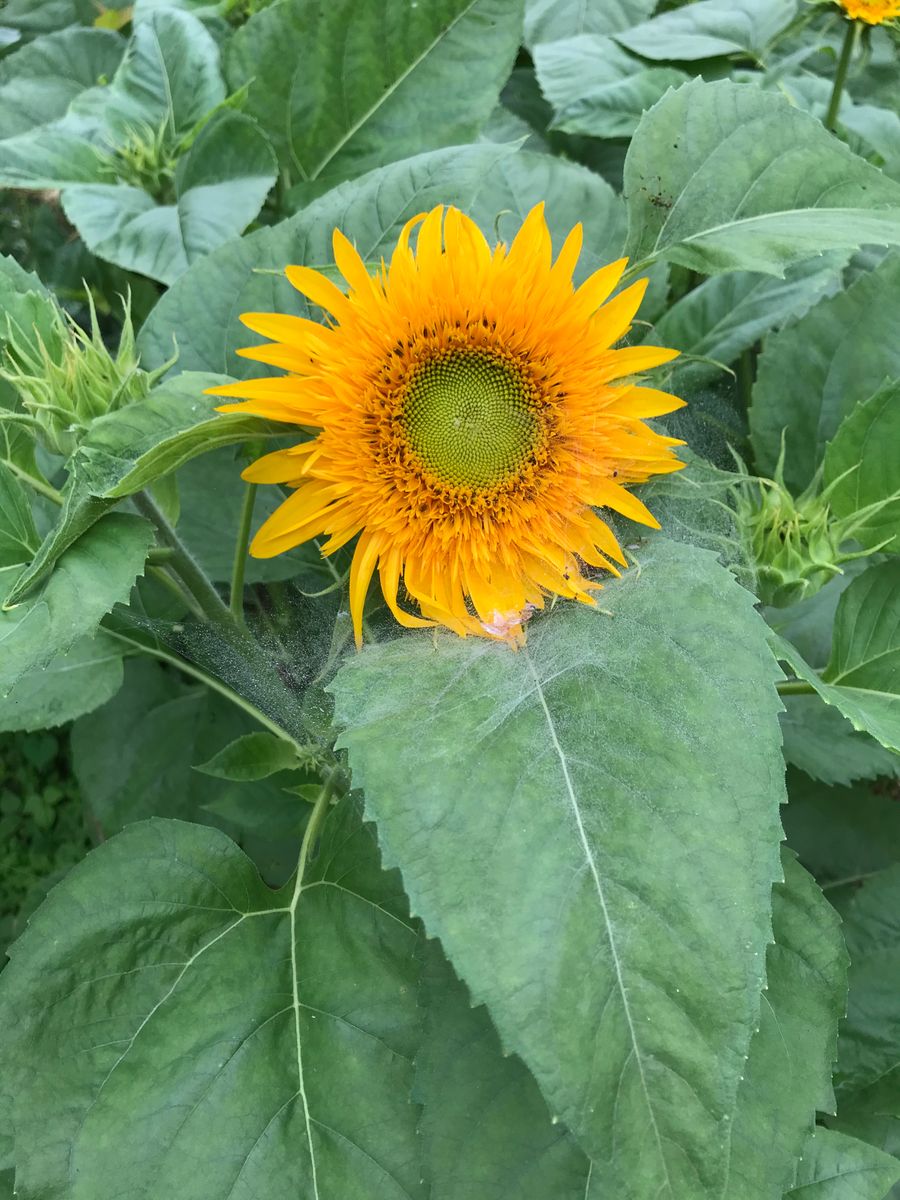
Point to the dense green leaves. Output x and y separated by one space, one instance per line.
711 27
709 170
343 88
847 347
619 87
39 81
525 768
89 579
550 20
165 1004
837 1167
863 463
220 186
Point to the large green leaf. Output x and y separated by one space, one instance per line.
50 157
596 88
862 678
93 575
169 80
554 813
39 81
220 186
870 1036
347 87
551 20
837 1167
824 744
848 348
864 464
128 450
788 1075
729 313
174 1026
476 1096
203 307
724 177
18 536
711 27
70 685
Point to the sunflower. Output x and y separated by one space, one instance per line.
873 12
469 411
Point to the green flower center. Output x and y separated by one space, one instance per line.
470 416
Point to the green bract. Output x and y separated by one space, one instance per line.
610 915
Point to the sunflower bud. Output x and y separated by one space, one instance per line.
796 545
66 378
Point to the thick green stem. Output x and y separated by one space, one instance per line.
171 584
850 39
187 568
795 687
240 553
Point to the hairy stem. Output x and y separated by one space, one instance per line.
38 485
794 687
240 553
186 567
850 39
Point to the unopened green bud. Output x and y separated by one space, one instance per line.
67 379
797 545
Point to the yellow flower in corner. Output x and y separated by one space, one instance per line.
873 12
471 410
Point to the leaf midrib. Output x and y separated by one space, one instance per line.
620 983
385 96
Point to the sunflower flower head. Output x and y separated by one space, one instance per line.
873 12
470 410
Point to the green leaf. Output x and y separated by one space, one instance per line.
862 678
220 186
201 309
709 170
44 16
871 1032
728 314
27 308
485 768
710 28
865 445
129 449
253 756
824 744
788 1075
551 20
837 1167
18 536
596 88
50 157
408 79
848 349
843 835
70 685
474 1095
165 1004
170 77
93 575
39 81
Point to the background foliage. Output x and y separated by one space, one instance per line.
616 915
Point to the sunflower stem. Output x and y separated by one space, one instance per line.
186 567
314 824
794 687
240 553
171 584
38 485
850 39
